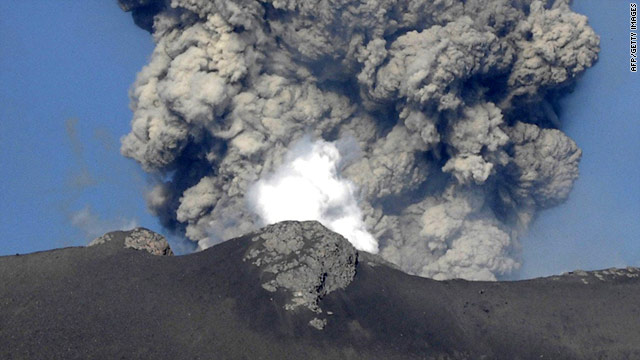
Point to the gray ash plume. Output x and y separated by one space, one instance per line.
451 105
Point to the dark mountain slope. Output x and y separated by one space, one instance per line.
112 302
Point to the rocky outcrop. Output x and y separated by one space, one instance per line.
108 302
605 275
139 239
305 259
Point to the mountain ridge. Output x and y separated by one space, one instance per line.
106 302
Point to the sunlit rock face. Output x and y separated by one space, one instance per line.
303 258
138 239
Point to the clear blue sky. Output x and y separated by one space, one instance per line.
65 70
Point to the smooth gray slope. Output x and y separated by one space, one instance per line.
110 302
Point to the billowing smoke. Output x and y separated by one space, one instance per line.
308 187
452 105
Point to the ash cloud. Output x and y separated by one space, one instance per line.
451 104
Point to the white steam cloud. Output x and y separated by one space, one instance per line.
452 104
308 186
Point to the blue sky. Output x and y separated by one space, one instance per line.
599 226
65 70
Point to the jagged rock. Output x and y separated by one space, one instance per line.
139 239
606 275
304 258
318 323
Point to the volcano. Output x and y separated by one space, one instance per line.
296 290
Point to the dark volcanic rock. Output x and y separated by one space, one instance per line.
113 302
138 238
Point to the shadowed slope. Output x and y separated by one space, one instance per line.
111 302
